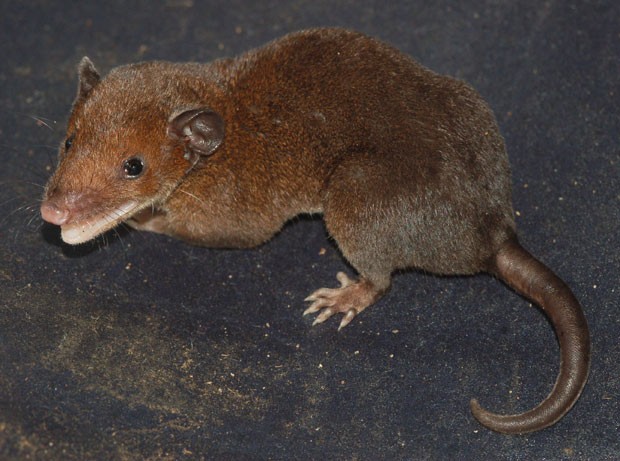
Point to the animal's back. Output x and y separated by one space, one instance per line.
422 147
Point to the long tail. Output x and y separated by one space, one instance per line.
532 279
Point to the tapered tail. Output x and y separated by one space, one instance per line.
532 279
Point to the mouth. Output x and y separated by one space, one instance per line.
80 232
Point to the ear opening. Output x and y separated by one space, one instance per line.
88 78
201 130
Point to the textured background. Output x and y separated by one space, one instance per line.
139 346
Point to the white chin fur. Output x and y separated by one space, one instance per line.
88 230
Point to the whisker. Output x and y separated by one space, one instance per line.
15 236
21 181
43 121
39 120
119 238
115 215
103 243
9 201
32 219
202 202
27 208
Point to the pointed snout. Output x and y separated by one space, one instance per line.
54 214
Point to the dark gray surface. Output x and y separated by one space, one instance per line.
142 347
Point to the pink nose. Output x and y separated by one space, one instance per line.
51 213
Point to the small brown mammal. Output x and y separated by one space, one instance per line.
407 167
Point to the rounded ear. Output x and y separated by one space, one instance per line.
201 130
88 78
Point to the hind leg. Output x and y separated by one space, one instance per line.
362 213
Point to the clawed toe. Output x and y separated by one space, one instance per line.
350 315
318 304
344 280
324 315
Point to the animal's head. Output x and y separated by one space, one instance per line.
131 139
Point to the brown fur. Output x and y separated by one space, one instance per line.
407 167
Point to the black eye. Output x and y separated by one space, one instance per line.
133 167
69 142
